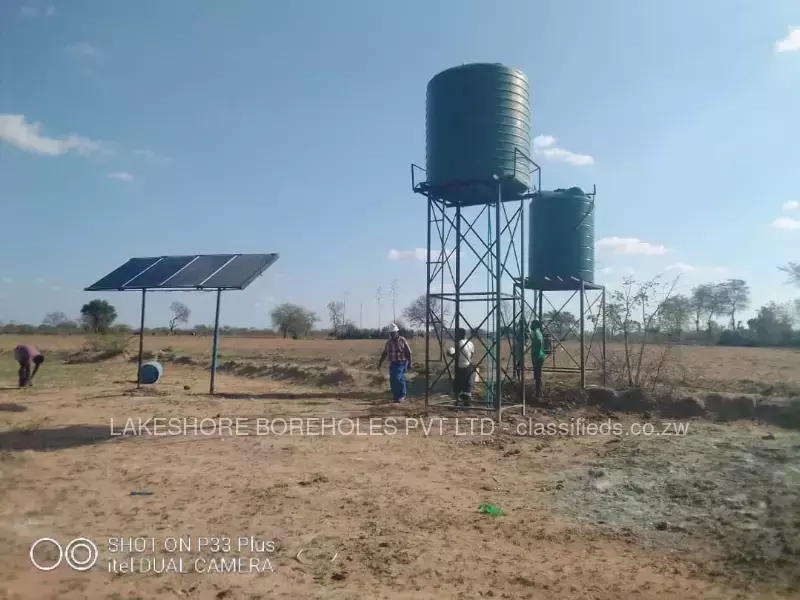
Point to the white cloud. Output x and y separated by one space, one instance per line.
55 288
6 280
152 156
28 137
686 268
83 50
41 280
545 145
121 176
791 43
35 10
630 246
606 271
791 205
416 253
786 223
264 301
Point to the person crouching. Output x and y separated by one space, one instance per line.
25 355
399 353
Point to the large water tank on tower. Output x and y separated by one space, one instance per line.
561 237
478 125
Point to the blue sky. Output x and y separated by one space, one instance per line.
199 126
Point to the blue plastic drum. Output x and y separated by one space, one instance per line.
151 372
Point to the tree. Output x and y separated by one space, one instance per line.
56 319
180 314
561 323
773 323
292 319
336 316
416 313
793 271
733 295
702 301
675 314
98 315
708 301
646 301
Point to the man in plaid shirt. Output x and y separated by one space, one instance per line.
399 353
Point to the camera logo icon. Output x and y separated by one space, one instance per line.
80 554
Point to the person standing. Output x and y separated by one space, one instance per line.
399 354
25 355
537 354
464 372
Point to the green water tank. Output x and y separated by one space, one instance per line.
561 237
477 117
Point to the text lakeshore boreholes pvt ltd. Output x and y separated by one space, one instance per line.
384 426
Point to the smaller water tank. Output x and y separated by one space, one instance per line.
151 372
561 241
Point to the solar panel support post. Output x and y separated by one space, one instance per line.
141 342
215 345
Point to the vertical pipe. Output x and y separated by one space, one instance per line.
215 345
457 282
582 324
428 310
604 335
540 318
498 301
522 299
441 259
141 343
457 285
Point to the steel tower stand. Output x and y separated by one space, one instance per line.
591 309
472 270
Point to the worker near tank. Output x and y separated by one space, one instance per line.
464 381
398 352
25 355
537 354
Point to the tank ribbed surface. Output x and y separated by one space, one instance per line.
561 236
477 115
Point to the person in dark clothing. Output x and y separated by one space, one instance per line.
537 354
25 355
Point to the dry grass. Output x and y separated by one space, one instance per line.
378 516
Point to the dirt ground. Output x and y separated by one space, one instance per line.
707 510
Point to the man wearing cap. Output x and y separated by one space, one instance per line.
25 355
399 353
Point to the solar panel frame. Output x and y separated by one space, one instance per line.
212 279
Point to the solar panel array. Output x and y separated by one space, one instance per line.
197 272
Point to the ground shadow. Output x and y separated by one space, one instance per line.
54 439
12 407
